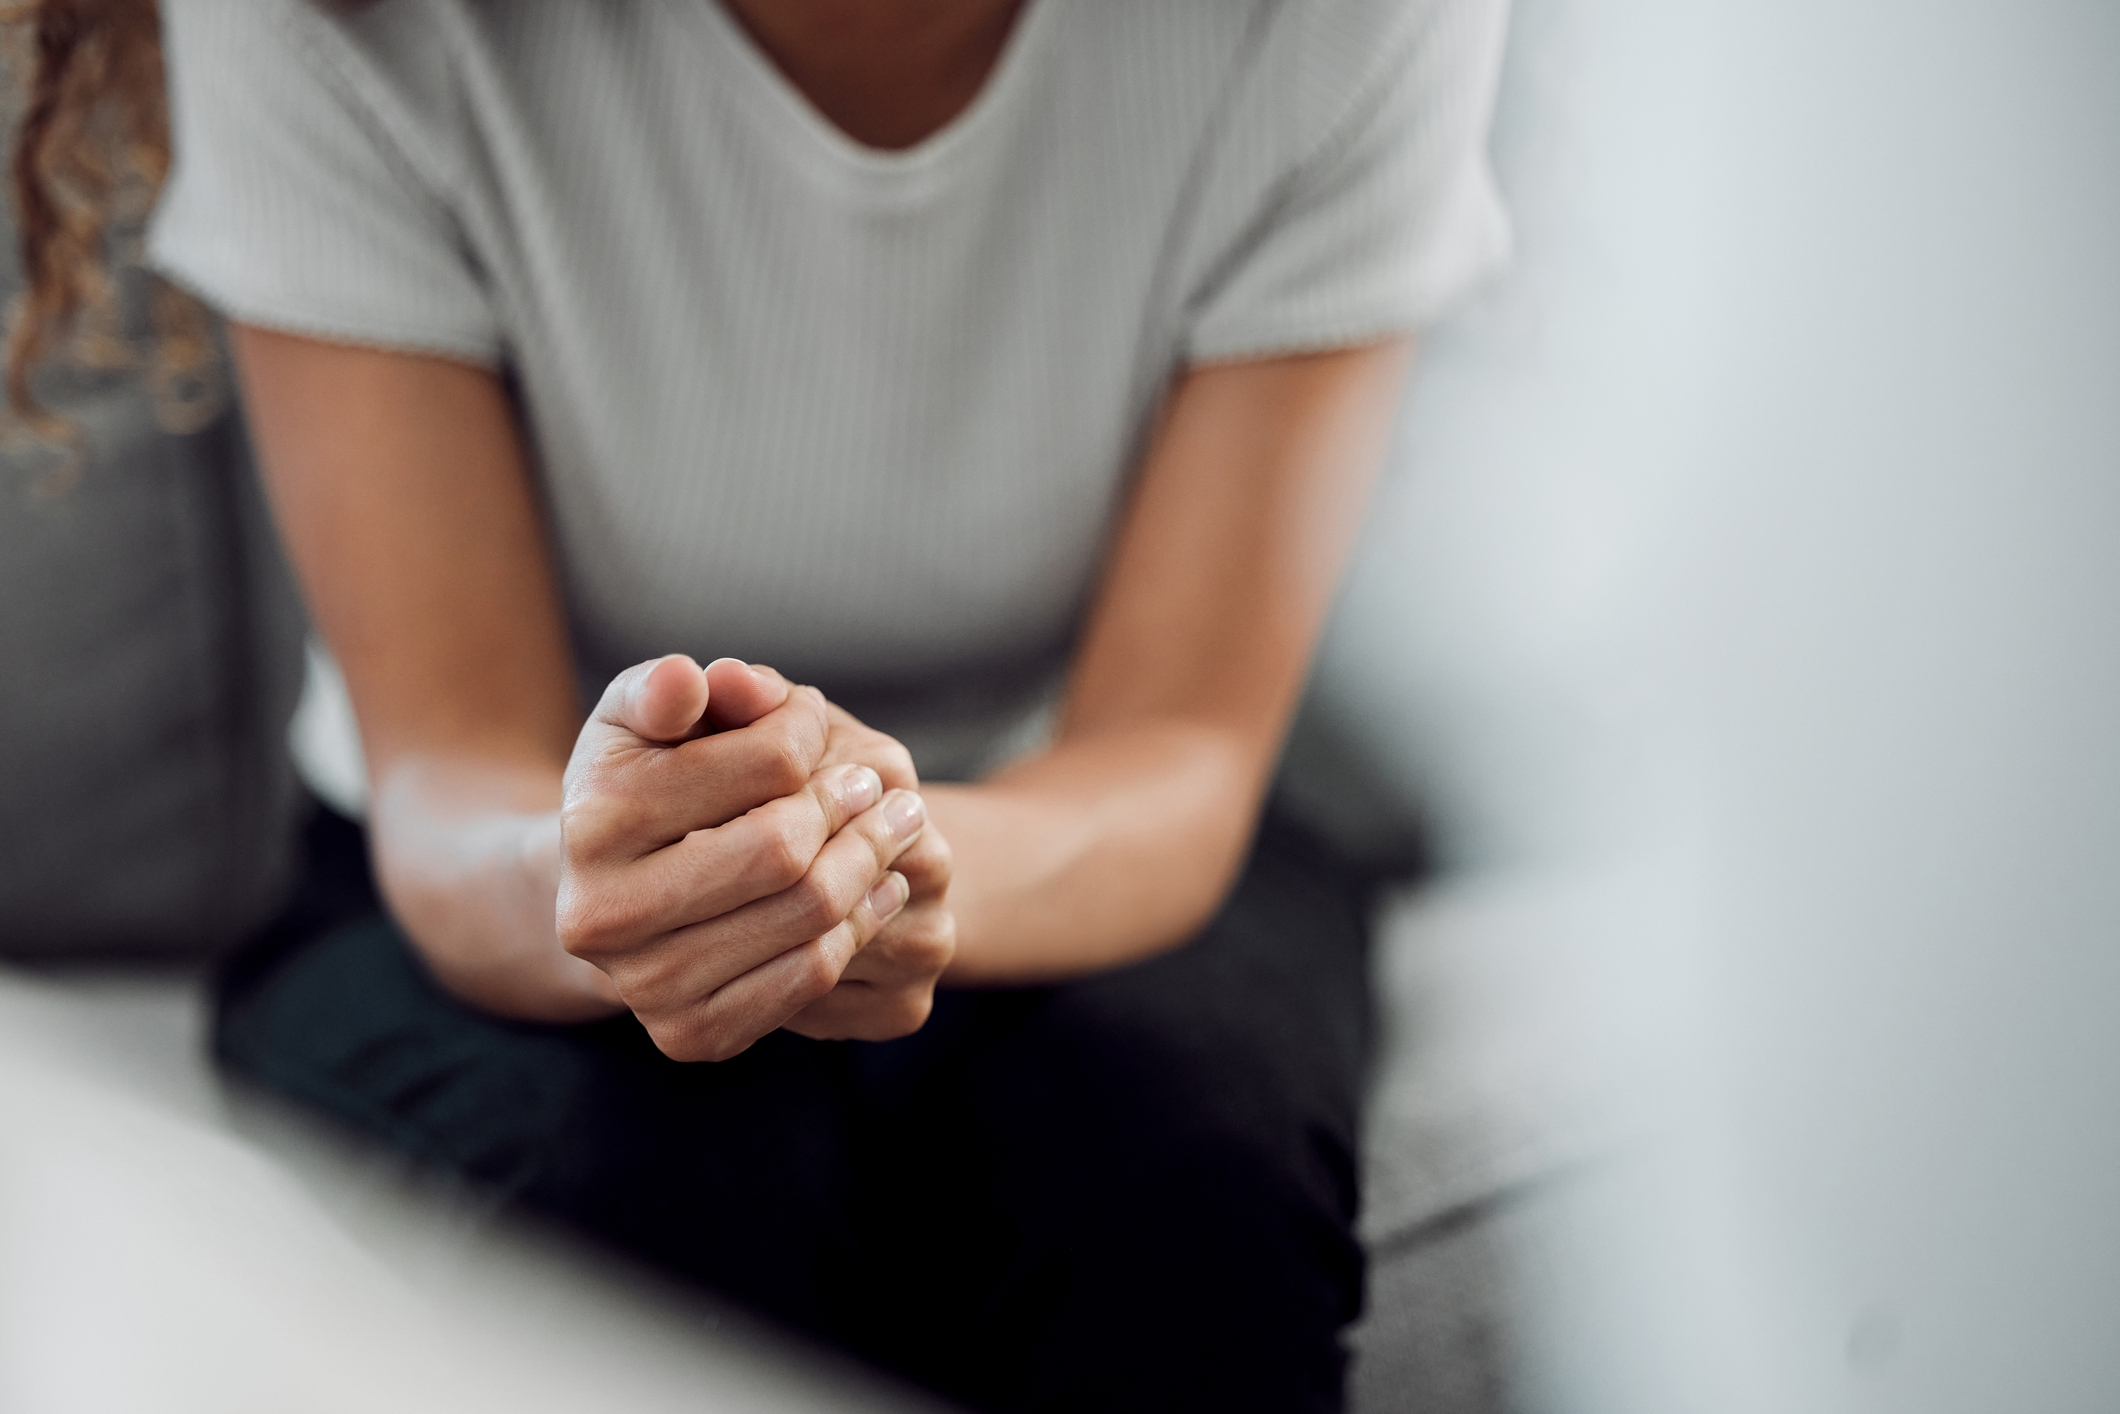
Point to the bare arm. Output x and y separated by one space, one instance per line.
399 485
1121 838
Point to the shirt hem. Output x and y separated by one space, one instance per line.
1366 322
264 313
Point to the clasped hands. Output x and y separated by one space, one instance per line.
739 855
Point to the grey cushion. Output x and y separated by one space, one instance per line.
151 646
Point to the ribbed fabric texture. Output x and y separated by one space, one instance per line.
866 416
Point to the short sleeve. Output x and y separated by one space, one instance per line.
1385 212
289 205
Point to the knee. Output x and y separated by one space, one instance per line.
1196 1107
1238 1204
1189 1151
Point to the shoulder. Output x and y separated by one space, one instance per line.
392 44
1328 52
1299 78
330 76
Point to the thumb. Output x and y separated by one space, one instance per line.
742 692
662 699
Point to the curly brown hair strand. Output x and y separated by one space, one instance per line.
91 151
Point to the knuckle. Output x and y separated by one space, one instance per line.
815 910
786 763
782 855
817 974
588 822
592 923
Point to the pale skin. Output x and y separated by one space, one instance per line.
722 852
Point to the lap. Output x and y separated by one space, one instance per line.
1027 1169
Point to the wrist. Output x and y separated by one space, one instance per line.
475 890
1093 855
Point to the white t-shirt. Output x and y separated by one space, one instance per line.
867 416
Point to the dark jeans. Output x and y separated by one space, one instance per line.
1130 1192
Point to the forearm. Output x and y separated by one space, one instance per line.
1123 838
1096 852
468 857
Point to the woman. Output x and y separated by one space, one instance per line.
951 357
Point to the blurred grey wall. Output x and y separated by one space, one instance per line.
1765 528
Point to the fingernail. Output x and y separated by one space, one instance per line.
903 811
856 788
889 895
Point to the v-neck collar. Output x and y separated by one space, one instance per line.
790 109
